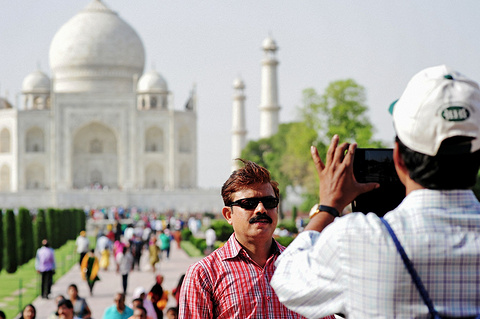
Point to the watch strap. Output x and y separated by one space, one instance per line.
323 208
332 211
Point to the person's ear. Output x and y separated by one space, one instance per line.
227 213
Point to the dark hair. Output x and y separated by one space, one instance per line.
65 302
34 310
73 286
250 174
138 299
2 315
443 171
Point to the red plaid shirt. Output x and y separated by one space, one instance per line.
229 284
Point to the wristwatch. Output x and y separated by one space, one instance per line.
317 208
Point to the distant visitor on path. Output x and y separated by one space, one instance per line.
65 310
234 280
80 306
29 312
210 238
158 296
154 252
89 269
118 310
45 265
104 247
140 293
82 244
125 266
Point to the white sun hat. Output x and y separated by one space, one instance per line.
438 103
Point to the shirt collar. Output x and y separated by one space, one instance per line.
232 248
440 198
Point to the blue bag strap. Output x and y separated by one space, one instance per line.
413 273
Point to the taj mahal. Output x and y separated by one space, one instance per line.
100 131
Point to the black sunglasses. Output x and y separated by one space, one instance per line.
251 203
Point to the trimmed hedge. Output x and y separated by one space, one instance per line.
21 235
284 241
25 236
10 242
40 228
52 231
222 229
1 240
289 225
186 234
200 243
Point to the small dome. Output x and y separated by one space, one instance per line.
152 81
37 81
4 104
238 84
269 44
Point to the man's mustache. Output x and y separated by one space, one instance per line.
261 217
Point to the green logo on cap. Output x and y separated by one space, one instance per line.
455 114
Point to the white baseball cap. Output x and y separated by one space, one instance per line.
437 104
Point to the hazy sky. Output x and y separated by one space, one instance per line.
380 44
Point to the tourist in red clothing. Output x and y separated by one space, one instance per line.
234 280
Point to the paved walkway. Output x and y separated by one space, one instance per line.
111 282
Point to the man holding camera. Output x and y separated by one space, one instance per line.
233 281
353 266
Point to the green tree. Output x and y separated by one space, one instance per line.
83 220
24 236
278 153
10 242
52 231
40 228
79 221
1 240
60 221
340 110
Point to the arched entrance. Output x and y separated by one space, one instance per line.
95 158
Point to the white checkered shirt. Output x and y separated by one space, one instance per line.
353 267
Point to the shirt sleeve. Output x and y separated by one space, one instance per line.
196 294
308 277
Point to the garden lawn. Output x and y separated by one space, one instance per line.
13 299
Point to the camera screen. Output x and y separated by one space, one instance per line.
376 165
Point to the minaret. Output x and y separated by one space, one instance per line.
239 130
269 108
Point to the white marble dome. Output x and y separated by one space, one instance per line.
269 44
152 81
96 51
37 82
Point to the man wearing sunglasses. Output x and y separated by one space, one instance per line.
233 281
